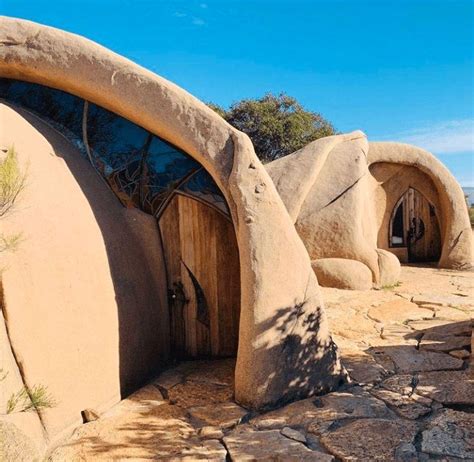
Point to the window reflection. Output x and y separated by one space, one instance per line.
165 169
60 109
117 147
143 170
202 186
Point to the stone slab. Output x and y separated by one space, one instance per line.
371 439
450 434
447 387
248 444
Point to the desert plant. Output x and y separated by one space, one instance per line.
12 181
30 399
391 286
10 243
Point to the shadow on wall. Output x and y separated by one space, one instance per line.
136 266
302 365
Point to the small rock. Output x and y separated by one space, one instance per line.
89 415
370 439
293 434
451 434
210 433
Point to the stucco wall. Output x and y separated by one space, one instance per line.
85 294
327 189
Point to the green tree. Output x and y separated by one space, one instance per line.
277 125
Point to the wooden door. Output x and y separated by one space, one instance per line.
203 279
422 235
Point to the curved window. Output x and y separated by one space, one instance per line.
165 169
61 110
202 186
143 170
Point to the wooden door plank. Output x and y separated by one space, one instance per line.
169 227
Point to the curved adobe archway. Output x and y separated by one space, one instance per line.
285 350
457 248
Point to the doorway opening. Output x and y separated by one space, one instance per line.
202 263
414 226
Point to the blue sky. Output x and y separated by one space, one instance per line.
397 69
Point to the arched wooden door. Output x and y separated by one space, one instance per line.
414 225
203 274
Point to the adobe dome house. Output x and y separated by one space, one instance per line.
151 232
359 205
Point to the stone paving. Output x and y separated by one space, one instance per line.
407 349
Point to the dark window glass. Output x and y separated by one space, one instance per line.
165 170
202 186
117 147
143 170
62 110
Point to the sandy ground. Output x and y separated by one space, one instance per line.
407 349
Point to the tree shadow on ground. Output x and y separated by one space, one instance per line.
427 351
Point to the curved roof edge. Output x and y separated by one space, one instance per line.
69 62
457 249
